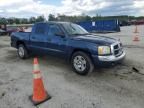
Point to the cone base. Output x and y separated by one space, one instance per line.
136 40
136 32
39 102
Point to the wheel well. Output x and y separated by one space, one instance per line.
19 42
76 50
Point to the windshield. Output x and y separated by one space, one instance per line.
74 29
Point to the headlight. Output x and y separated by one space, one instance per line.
102 50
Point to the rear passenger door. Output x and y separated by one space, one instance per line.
38 38
56 43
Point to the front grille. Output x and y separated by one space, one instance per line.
117 49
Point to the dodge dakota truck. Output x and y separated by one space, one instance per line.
72 42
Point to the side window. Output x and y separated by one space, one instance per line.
40 29
54 29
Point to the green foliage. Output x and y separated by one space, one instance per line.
40 19
51 17
59 17
24 21
3 21
32 20
13 20
84 17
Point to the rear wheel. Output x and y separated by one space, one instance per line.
22 51
82 63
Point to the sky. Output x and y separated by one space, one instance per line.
29 8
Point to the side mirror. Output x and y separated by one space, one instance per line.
61 34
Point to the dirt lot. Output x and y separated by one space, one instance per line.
116 87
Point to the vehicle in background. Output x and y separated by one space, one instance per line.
125 23
64 39
28 29
11 29
2 32
3 29
17 28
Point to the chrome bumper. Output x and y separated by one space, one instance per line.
112 58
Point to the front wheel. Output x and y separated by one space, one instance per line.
22 51
82 63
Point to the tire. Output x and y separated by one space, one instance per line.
22 52
82 63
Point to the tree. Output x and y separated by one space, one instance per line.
88 18
10 20
17 21
24 21
51 17
3 21
80 18
32 20
40 19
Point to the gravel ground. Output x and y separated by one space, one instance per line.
116 87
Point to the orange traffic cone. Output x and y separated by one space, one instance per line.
136 38
39 93
136 29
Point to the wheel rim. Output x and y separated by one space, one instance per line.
21 52
79 63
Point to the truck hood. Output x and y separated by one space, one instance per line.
101 40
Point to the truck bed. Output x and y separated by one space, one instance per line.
21 35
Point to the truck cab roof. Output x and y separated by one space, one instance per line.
54 22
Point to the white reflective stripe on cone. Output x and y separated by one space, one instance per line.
37 76
36 68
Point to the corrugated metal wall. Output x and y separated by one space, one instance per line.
101 26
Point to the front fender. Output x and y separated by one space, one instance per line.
87 47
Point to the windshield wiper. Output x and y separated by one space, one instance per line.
81 34
86 34
76 34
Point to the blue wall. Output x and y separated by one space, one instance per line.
101 26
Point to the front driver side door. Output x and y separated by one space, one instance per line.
56 43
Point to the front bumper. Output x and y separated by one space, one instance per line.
106 61
111 58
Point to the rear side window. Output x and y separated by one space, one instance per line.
40 28
54 29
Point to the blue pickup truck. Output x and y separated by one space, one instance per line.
68 40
